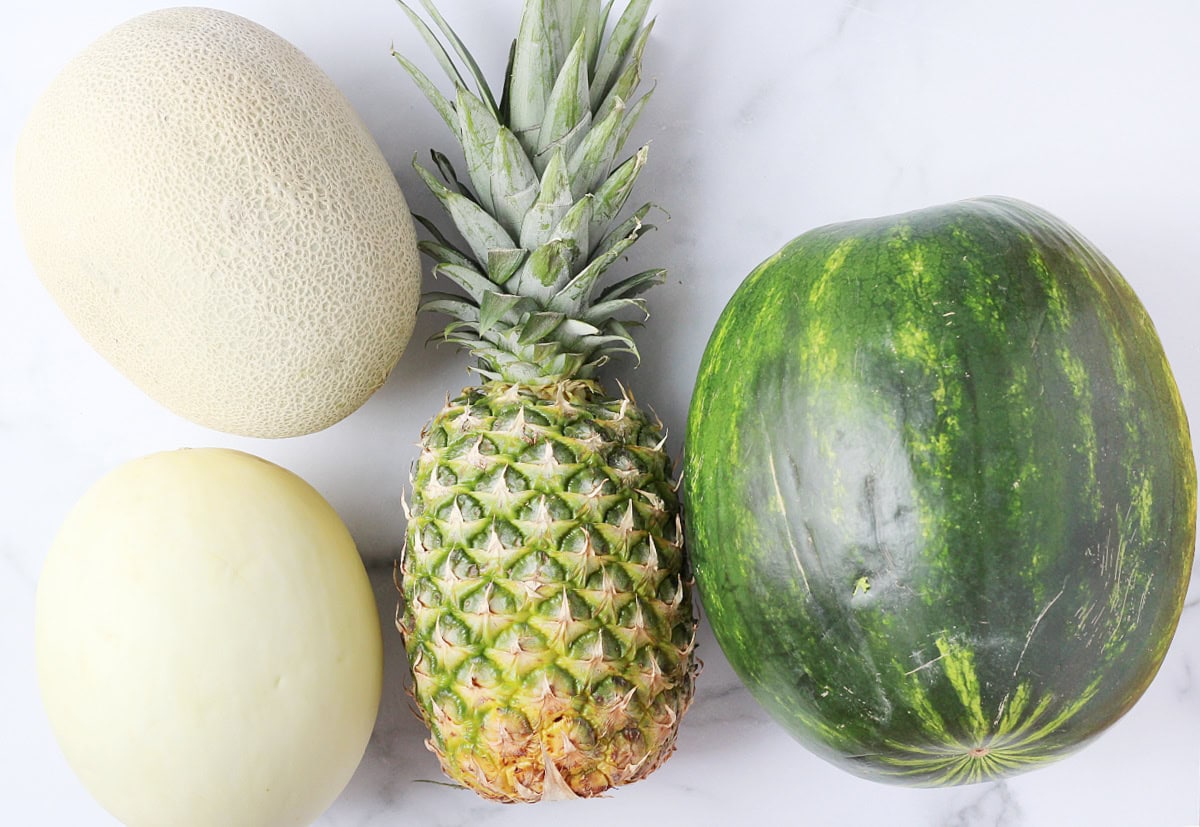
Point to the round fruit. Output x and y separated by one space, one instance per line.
216 221
941 492
207 642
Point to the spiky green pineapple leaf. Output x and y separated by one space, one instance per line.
632 285
549 352
529 83
609 198
446 169
435 45
621 339
464 54
568 111
547 266
469 279
438 247
478 129
440 102
625 85
481 231
439 337
575 294
444 254
451 305
565 364
618 50
432 229
553 202
592 30
497 307
503 264
539 325
633 113
635 226
575 228
505 93
567 23
592 160
573 331
515 184
602 26
598 312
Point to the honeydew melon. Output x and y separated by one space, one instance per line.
218 223
208 648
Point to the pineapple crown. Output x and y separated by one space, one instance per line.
544 189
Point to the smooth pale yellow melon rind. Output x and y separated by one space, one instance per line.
208 648
217 222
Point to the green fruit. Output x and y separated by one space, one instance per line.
546 609
941 492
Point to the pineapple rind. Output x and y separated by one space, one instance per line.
546 605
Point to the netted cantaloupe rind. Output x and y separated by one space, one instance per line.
218 223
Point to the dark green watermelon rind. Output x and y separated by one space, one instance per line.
940 490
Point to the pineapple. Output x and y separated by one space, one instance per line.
545 603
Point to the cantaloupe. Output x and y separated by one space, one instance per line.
217 222
208 646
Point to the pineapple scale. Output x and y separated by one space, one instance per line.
546 607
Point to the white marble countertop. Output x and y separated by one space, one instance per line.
769 119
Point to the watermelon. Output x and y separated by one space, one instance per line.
940 492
